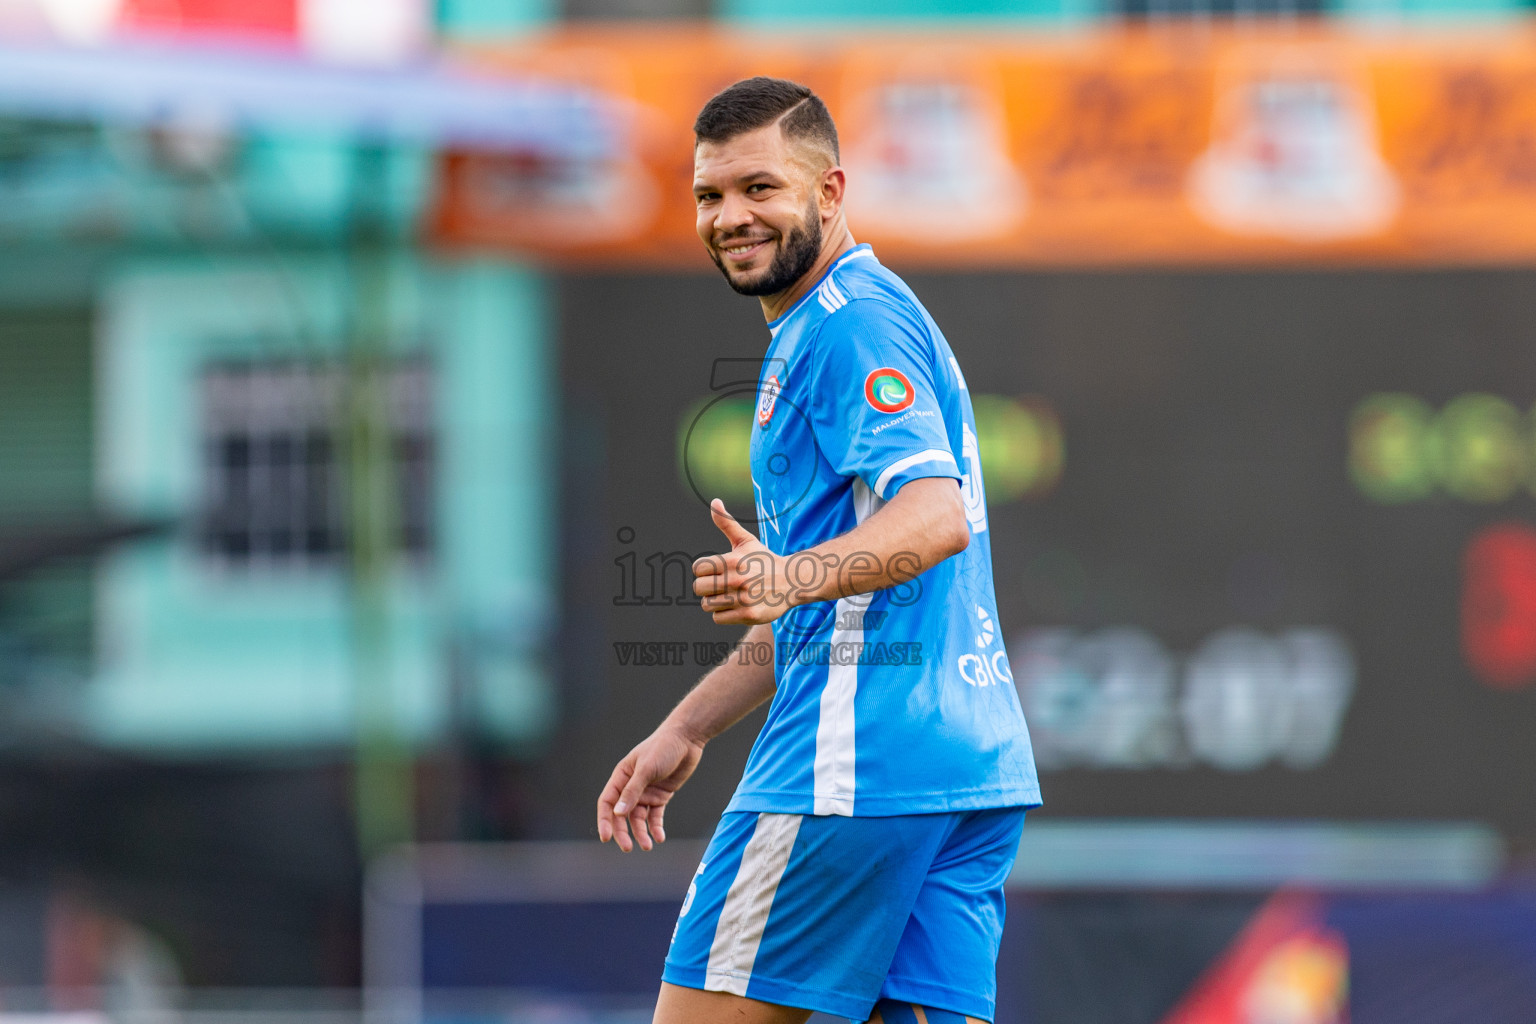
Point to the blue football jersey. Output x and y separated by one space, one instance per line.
899 701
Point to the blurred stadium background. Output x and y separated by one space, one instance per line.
360 378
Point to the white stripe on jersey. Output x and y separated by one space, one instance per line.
834 771
739 931
928 455
833 774
865 501
836 292
830 298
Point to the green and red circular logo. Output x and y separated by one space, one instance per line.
888 389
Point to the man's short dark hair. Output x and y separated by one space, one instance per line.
753 103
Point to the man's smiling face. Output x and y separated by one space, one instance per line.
758 212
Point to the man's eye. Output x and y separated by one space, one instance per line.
706 197
759 187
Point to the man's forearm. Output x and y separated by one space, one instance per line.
920 527
728 692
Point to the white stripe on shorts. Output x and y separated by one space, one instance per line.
739 931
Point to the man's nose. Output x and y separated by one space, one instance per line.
734 215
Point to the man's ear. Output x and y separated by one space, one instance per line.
834 184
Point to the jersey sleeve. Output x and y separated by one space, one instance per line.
879 410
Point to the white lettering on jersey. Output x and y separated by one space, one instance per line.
959 377
970 484
984 637
762 513
973 669
978 669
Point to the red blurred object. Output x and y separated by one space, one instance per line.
1286 966
1498 606
274 20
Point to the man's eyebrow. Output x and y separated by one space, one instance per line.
740 179
762 175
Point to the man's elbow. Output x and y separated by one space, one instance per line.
956 533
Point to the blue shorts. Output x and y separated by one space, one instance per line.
834 913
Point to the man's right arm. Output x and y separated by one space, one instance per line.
634 801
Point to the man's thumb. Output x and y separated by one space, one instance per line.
728 525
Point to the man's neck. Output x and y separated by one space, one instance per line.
775 306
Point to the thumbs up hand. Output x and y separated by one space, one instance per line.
734 532
747 584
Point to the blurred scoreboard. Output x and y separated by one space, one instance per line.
1264 543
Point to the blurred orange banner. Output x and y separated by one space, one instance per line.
1178 144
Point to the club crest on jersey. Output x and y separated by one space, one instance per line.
767 399
888 389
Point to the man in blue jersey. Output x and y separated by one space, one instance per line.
859 868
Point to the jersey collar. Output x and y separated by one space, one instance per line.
858 250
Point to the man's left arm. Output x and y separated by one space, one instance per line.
920 526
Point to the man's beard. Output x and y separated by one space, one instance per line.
795 258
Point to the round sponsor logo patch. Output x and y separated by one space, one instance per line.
767 399
888 389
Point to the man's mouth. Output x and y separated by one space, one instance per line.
743 250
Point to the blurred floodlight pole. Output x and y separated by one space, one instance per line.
384 790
